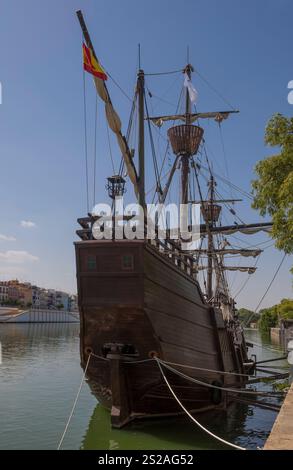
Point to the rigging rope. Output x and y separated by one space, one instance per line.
128 132
268 288
168 141
110 149
191 417
152 95
95 151
247 280
163 73
237 188
118 86
229 207
225 156
155 163
215 90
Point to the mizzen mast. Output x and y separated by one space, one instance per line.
210 222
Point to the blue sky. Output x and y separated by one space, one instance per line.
243 48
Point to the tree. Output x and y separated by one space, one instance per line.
285 309
273 190
268 318
244 315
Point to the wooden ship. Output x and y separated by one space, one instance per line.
142 299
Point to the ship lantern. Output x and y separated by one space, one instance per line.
115 186
185 139
211 212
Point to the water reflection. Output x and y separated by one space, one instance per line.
167 434
242 424
39 378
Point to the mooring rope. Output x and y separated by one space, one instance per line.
192 418
231 390
268 348
74 404
100 357
168 363
159 362
205 370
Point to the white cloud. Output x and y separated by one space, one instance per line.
17 257
27 224
6 238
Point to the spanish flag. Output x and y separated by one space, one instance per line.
90 63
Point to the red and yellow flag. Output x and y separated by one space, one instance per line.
91 65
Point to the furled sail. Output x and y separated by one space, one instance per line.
246 229
232 251
242 269
219 116
115 125
111 115
249 269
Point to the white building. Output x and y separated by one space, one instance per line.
73 305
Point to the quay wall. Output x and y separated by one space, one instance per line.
281 436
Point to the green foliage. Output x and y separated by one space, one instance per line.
268 318
285 309
12 303
273 190
244 315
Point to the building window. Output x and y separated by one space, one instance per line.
91 263
127 262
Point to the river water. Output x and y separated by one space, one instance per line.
39 378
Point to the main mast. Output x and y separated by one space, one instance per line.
185 157
141 180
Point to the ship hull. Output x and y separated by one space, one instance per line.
136 304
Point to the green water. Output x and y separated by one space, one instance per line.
39 379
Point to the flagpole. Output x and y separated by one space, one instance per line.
88 41
85 32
